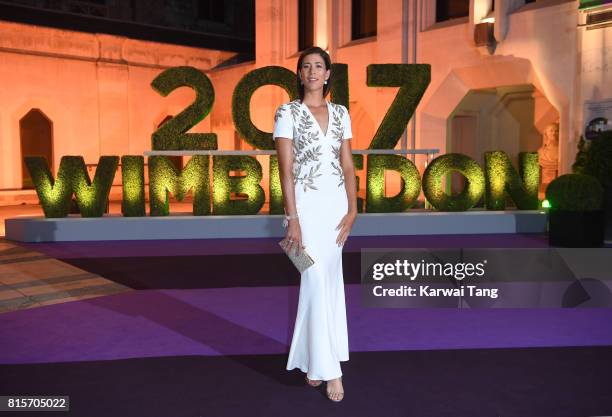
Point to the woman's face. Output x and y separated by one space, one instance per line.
313 73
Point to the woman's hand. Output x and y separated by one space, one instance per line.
345 226
293 240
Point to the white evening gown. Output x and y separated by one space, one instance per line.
320 338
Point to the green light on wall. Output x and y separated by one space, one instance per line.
589 4
224 185
546 204
376 202
443 166
165 179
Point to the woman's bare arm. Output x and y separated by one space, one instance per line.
284 150
350 183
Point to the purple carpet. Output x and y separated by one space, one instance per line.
208 336
239 321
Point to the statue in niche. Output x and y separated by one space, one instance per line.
548 155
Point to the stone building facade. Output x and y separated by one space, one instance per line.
502 71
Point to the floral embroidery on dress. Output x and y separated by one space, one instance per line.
308 148
279 113
337 129
338 171
311 154
307 180
338 134
336 152
295 109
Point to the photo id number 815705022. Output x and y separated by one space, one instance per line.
34 403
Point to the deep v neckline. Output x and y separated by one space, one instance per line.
315 119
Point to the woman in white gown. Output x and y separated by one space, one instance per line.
317 174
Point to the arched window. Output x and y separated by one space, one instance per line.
176 160
36 134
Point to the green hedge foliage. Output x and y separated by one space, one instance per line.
598 161
575 192
164 178
72 178
172 134
502 180
581 156
224 185
276 191
132 178
413 80
358 163
340 85
241 100
376 202
442 166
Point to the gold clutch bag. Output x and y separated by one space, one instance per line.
301 260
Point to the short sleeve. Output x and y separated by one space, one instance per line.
346 124
283 123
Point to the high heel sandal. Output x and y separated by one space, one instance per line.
341 394
313 383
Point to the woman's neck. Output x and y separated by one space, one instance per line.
314 99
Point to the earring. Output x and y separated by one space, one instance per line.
325 81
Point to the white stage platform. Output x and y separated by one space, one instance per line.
114 227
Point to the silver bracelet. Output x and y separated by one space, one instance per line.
287 218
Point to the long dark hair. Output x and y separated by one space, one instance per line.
326 59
